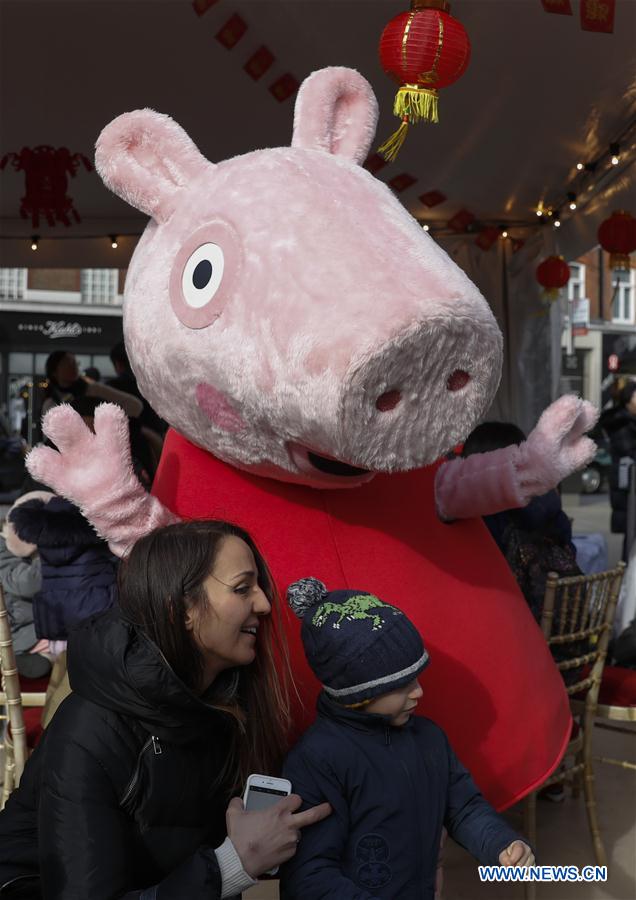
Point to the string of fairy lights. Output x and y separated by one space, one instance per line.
590 176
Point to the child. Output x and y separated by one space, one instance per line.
21 579
78 570
391 777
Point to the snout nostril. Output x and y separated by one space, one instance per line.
388 401
457 380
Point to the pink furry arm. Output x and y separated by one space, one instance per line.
94 471
487 483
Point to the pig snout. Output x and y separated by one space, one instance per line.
417 395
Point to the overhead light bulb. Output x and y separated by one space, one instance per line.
34 242
615 160
615 151
539 212
113 241
425 227
504 234
579 166
572 199
557 223
573 205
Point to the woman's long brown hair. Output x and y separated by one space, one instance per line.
158 582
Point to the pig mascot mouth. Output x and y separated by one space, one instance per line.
315 465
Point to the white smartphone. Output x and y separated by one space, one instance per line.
262 791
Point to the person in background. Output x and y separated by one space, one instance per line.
390 776
147 430
535 539
65 384
21 580
619 422
175 701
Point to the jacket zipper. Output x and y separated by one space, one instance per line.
132 784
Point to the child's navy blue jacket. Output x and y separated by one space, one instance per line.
391 790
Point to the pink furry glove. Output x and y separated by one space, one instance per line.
94 471
487 483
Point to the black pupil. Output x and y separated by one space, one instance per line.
202 274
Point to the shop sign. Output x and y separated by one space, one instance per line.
59 328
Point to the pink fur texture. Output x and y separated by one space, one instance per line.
487 483
325 296
94 471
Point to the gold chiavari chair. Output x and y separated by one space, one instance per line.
577 619
12 701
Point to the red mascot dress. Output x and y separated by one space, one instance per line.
339 537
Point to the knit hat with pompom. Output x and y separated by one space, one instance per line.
357 646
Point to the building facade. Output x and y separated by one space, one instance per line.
42 310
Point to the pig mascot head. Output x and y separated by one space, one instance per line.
283 310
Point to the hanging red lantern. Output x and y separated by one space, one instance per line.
617 236
423 50
553 274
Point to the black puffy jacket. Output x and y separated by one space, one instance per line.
121 799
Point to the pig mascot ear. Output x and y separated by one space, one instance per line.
146 159
336 111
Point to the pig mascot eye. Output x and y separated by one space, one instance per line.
202 275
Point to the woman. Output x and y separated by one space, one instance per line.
175 701
65 385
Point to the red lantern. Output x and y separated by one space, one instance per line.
617 235
553 274
423 50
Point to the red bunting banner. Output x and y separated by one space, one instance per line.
432 198
259 62
401 182
374 163
598 15
202 6
232 32
486 238
461 221
561 7
284 87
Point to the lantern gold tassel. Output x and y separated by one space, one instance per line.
391 147
417 103
413 104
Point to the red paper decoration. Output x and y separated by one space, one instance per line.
597 15
432 198
461 221
486 238
617 236
259 62
374 163
401 182
423 50
553 274
202 6
562 7
284 87
46 182
232 32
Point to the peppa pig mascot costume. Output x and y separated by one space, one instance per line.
317 354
